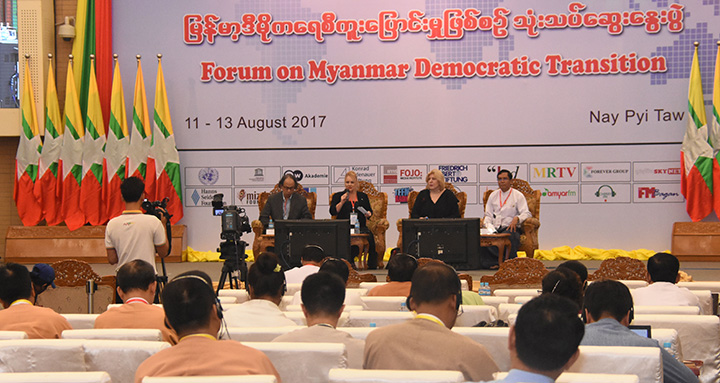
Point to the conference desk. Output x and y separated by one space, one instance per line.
359 240
501 240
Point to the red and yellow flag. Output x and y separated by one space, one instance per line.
28 154
91 200
47 190
71 156
117 148
164 158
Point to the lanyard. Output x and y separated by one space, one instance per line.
502 203
430 318
137 299
200 335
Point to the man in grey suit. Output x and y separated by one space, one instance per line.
609 309
285 205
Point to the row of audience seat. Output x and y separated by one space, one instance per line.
295 362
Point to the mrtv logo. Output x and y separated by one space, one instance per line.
554 172
662 193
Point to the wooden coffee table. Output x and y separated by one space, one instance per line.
502 241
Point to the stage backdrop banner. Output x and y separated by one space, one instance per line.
585 100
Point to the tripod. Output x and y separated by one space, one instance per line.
232 251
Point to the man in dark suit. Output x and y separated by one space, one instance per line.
285 205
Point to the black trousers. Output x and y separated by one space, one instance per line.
489 255
372 253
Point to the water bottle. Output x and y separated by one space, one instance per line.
354 223
373 324
668 347
270 228
403 307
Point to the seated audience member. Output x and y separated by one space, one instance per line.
578 268
608 310
191 308
563 282
42 277
400 271
136 286
544 340
426 342
340 268
662 291
266 287
311 258
323 294
19 314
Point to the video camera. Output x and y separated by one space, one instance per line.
151 208
233 219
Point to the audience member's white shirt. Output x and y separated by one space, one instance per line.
256 312
664 294
352 298
298 274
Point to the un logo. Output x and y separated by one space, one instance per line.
208 176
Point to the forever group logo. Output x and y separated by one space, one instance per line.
606 171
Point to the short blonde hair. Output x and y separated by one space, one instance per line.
351 174
438 176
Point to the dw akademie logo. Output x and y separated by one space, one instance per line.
208 176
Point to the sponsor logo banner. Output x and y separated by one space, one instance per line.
211 176
258 175
367 173
605 193
458 173
309 175
471 191
606 172
558 193
202 196
657 193
563 172
657 171
404 174
398 195
246 196
488 172
323 195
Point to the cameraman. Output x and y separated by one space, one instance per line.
134 235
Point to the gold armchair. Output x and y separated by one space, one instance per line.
258 227
378 222
462 201
529 239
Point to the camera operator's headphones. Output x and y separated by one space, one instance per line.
218 306
458 295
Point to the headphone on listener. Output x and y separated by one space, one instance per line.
218 306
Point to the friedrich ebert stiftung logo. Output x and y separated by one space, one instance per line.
208 176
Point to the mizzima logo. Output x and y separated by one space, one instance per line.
559 194
653 192
556 172
401 194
